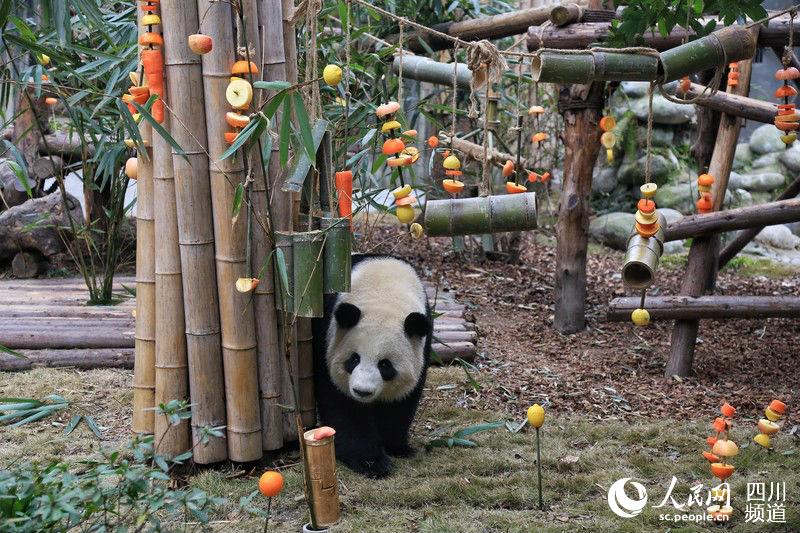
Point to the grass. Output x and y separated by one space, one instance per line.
488 488
741 264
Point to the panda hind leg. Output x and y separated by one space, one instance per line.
394 425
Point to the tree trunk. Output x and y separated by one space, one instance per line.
582 105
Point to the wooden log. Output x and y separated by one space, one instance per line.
271 369
566 14
172 367
421 68
66 338
27 265
67 145
754 216
449 337
479 215
702 307
732 104
47 167
195 229
454 350
475 151
69 312
240 362
84 359
144 370
581 139
701 270
735 245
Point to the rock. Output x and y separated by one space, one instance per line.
678 196
766 139
794 227
635 89
671 215
791 158
743 156
605 180
661 136
32 226
778 236
674 247
661 168
12 190
664 111
739 198
761 181
771 160
612 229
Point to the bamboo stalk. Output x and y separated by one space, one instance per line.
336 255
305 372
561 67
721 47
172 378
195 229
421 68
145 337
486 214
264 23
239 357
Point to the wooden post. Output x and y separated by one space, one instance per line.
230 236
172 369
581 107
195 228
701 270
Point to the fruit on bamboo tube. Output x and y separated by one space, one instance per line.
270 484
785 91
151 19
453 186
323 433
332 74
343 181
416 230
393 146
711 441
387 109
539 137
433 142
411 153
719 425
725 448
768 427
515 188
704 204
451 162
44 59
771 415
535 110
230 136
132 167
406 200
411 134
789 138
710 457
153 66
401 192
51 101
722 470
762 439
544 178
200 43
239 93
405 214
151 39
783 74
390 125
243 68
244 285
508 168
608 123
778 407
236 120
728 410
398 162
685 84
640 317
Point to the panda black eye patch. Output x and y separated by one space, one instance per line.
387 369
352 363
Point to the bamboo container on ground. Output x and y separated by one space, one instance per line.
145 336
195 229
239 358
483 214
172 378
323 486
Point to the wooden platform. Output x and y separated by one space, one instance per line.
49 322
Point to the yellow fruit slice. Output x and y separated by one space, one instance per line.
389 126
236 120
239 93
150 20
401 192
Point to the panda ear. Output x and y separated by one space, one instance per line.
417 325
347 315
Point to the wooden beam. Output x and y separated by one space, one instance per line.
732 104
717 307
754 216
85 359
745 236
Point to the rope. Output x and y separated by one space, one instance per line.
774 15
483 56
312 95
454 110
647 177
346 89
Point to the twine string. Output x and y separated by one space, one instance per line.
649 137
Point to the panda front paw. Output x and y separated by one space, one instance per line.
376 467
402 450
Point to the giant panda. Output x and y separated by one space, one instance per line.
371 354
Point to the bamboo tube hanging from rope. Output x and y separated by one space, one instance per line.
145 336
715 50
239 357
421 68
195 229
267 38
336 255
479 215
172 378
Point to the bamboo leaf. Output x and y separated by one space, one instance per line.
252 130
286 131
93 426
478 428
272 106
455 441
280 262
12 353
272 85
238 194
302 164
5 9
305 127
158 127
131 127
73 423
22 178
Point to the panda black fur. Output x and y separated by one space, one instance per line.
371 355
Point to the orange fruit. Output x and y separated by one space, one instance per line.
777 406
727 409
433 141
270 483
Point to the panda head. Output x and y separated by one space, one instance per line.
378 357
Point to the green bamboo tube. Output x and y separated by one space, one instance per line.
264 23
421 68
172 378
585 67
336 258
284 300
239 357
717 49
145 336
485 214
195 229
305 372
307 268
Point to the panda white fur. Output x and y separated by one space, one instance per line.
371 354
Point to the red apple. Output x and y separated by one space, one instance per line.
200 44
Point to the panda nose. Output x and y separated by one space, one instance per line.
362 393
